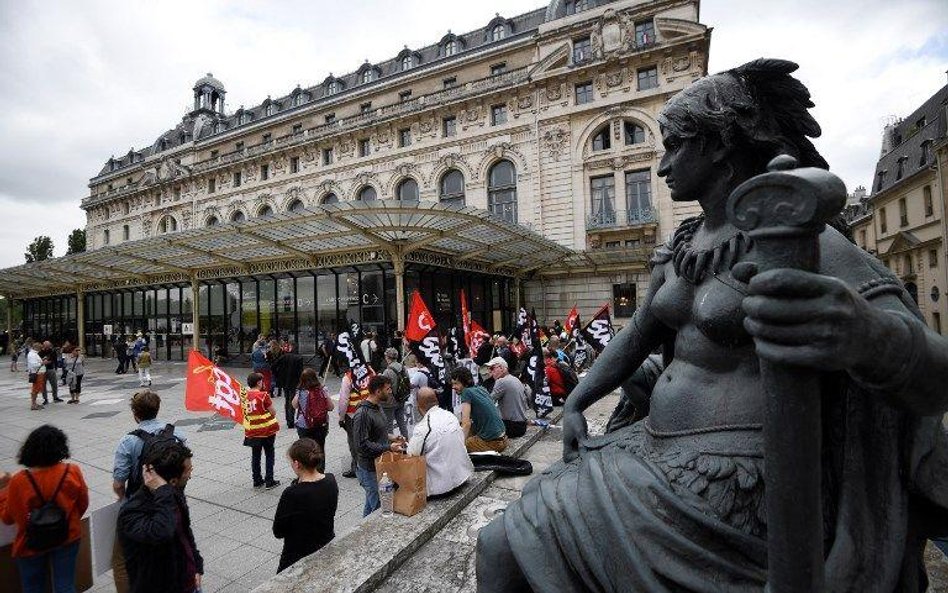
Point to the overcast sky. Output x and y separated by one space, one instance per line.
82 81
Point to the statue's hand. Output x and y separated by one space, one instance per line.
810 320
575 432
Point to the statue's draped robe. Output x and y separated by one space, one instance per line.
633 514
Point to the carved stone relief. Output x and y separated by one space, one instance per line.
555 142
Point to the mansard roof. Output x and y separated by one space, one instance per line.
913 142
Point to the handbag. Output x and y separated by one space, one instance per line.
410 475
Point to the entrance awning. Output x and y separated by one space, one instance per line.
328 236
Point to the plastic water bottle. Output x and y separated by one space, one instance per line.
387 495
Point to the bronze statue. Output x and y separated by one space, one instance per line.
677 501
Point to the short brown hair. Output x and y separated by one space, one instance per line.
307 452
378 383
309 379
145 405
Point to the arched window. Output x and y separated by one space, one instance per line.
265 211
329 199
238 216
498 33
451 48
452 188
212 221
602 139
407 191
167 225
367 194
333 87
297 206
634 134
502 191
408 62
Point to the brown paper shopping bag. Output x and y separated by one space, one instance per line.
409 473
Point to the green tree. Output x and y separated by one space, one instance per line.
41 248
77 241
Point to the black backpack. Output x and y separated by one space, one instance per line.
403 389
151 442
48 525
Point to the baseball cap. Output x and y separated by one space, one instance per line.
497 361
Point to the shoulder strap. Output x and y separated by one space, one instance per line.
60 485
36 486
425 441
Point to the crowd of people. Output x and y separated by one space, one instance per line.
155 549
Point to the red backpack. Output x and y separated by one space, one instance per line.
316 411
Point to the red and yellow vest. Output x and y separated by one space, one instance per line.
258 421
355 395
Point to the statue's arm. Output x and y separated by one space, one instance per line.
624 354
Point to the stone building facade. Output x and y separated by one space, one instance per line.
546 119
903 222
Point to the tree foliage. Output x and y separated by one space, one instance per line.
77 241
40 249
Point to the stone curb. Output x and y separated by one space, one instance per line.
361 560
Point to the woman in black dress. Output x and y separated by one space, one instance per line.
305 515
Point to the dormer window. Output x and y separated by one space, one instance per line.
900 171
498 32
164 144
926 156
299 99
334 87
245 118
408 62
880 180
271 109
368 76
450 48
574 6
218 127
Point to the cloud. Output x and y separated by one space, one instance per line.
87 80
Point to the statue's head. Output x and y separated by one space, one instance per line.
733 123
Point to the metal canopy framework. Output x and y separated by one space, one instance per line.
332 235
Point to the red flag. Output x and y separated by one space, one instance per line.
420 321
466 322
208 388
478 337
571 320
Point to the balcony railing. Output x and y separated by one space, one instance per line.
628 218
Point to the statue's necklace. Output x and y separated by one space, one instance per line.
694 264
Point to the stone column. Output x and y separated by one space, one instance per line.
81 319
398 261
195 314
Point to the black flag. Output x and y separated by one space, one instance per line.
580 356
524 329
352 354
536 370
599 331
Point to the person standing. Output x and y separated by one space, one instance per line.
349 398
438 436
327 351
312 406
154 527
121 353
394 408
305 515
36 374
372 438
47 478
131 357
287 370
75 370
144 366
127 475
480 419
274 352
418 374
51 360
260 433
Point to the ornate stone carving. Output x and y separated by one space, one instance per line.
186 218
145 221
554 93
555 142
525 102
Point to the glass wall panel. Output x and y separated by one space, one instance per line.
267 307
215 328
286 308
306 314
175 338
373 304
326 304
348 299
128 319
234 333
248 314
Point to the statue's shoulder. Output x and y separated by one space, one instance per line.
666 251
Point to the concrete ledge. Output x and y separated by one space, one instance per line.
362 559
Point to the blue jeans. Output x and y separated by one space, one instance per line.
371 486
34 571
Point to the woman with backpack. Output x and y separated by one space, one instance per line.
312 407
46 502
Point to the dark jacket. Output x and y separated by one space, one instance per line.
287 369
154 553
371 433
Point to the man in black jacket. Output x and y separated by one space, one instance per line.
287 370
154 527
372 438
